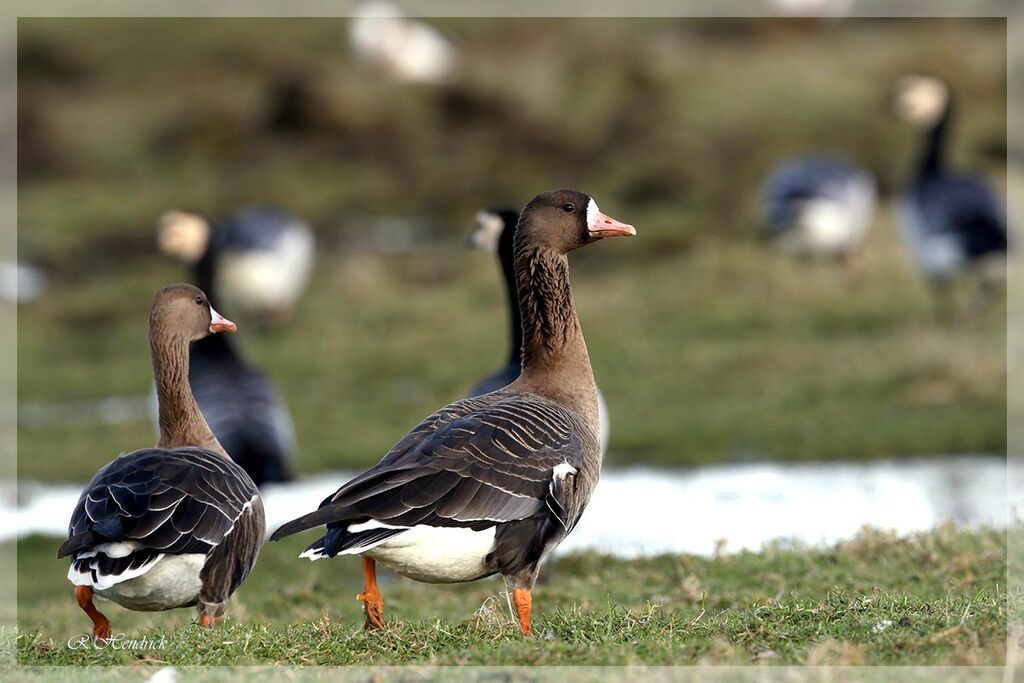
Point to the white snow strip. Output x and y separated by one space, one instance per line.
641 511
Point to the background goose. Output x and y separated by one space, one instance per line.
489 484
239 402
819 206
493 231
382 37
175 525
258 260
950 220
243 409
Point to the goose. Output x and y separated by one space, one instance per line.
243 409
178 524
405 49
240 404
950 220
257 260
492 233
490 484
819 206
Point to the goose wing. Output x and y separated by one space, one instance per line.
179 501
473 464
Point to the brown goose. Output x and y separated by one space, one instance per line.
175 525
493 231
489 484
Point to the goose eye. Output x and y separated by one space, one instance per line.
568 208
199 300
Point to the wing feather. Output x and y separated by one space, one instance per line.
474 463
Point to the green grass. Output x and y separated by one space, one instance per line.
944 594
707 347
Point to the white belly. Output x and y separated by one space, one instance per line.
172 582
437 554
266 281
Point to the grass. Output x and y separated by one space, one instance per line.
707 347
938 597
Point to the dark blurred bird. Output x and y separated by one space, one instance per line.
257 260
951 221
819 206
241 405
493 231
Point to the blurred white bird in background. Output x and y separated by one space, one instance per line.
382 37
20 282
819 206
812 8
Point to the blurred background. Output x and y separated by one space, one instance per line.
711 347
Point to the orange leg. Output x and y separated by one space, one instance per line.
100 624
373 603
524 604
207 621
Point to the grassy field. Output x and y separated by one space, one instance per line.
708 347
932 598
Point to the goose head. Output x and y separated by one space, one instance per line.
185 236
184 312
564 220
921 100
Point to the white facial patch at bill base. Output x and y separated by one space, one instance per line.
592 213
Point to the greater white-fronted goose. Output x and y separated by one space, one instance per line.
178 524
950 220
819 206
257 260
489 484
493 230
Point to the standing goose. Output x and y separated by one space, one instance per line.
489 484
819 206
493 231
178 524
950 220
241 405
258 260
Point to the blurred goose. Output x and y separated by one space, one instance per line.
494 483
950 220
243 409
405 49
257 260
178 524
819 206
241 405
493 230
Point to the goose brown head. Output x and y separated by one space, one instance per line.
184 312
564 220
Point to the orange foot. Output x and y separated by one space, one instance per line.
524 606
373 606
373 603
101 628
